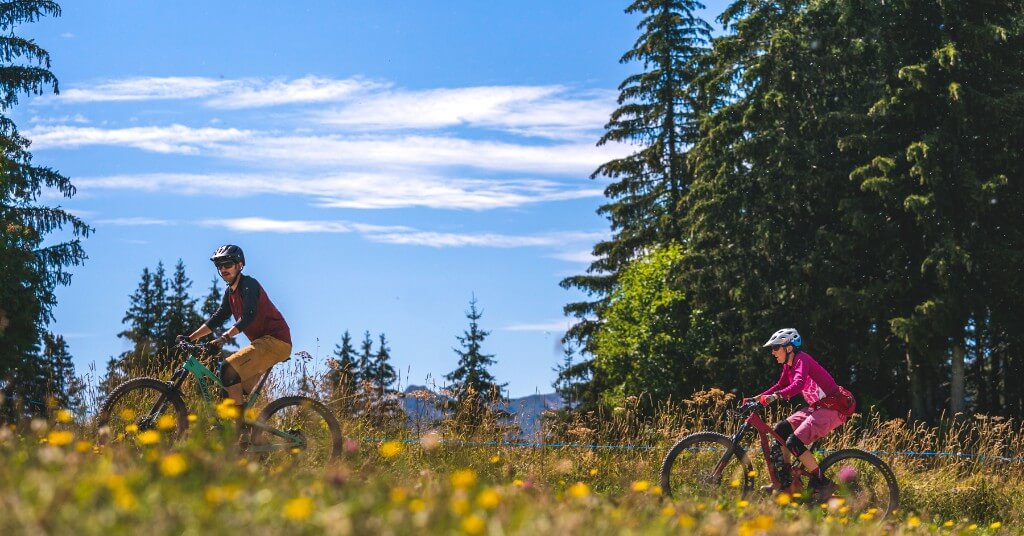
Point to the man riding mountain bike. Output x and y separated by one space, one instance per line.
255 315
829 405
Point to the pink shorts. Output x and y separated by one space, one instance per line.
810 425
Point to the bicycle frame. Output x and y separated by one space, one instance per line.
204 375
765 433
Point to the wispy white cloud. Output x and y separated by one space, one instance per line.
265 225
333 151
169 139
309 89
355 189
135 221
143 89
219 93
547 111
491 240
67 35
554 326
402 235
585 256
360 104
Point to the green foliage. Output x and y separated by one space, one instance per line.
651 343
658 112
31 266
471 381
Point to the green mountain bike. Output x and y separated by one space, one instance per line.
288 429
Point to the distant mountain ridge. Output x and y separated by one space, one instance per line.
420 405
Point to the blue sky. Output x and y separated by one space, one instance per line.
379 162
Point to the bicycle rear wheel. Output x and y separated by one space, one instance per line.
295 428
697 466
863 481
139 405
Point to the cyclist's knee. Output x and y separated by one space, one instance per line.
228 375
783 428
796 446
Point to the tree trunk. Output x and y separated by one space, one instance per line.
956 381
917 405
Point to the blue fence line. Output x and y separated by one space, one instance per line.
908 453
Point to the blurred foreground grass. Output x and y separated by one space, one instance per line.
54 479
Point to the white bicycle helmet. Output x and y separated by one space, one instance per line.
784 336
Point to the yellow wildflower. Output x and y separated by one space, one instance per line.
298 508
472 525
996 525
59 438
398 495
518 483
913 521
131 428
655 490
488 499
459 505
149 437
593 472
127 414
735 483
641 485
390 449
64 416
227 409
417 505
668 511
167 422
948 523
579 490
783 499
687 521
192 417
742 503
463 478
83 446
495 458
173 464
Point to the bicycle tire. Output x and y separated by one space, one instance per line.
849 485
332 449
715 444
138 386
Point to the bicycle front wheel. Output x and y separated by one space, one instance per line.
296 428
863 481
139 405
706 464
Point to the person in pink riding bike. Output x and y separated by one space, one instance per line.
828 404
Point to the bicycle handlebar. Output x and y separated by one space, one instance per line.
745 409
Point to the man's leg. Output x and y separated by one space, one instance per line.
232 382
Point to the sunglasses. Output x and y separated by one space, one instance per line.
776 347
225 264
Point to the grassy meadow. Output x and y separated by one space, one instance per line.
439 478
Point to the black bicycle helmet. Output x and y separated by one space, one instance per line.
229 252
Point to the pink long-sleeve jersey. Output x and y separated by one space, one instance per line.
805 376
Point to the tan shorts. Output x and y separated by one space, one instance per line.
251 361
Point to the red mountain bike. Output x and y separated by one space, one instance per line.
709 462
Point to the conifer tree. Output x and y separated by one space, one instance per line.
212 300
62 382
363 372
341 379
658 112
30 265
471 380
381 374
181 316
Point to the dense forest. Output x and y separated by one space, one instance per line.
849 168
